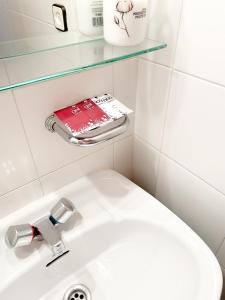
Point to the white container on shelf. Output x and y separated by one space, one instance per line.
90 17
125 22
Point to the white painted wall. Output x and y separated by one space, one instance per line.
180 116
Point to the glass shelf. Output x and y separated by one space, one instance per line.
36 67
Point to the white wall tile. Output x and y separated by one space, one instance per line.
201 45
37 102
194 201
145 165
19 198
164 25
195 128
3 75
102 159
125 77
42 10
123 157
152 95
16 165
20 26
46 63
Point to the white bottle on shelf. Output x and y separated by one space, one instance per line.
125 22
90 16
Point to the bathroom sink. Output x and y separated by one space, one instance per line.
123 244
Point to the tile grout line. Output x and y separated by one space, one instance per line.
180 165
85 156
200 78
35 19
153 62
156 150
171 78
184 73
28 143
36 180
113 90
19 187
169 93
135 114
192 173
220 246
147 143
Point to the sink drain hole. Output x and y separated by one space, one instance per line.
78 292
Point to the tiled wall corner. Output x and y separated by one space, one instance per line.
195 128
125 77
164 26
197 203
152 96
145 165
200 49
185 127
123 157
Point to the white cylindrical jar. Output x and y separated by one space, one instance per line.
125 22
90 16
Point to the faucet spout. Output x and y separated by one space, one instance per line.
51 235
45 228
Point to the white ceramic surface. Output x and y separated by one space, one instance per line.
194 201
126 245
201 29
16 165
164 26
194 134
145 170
152 96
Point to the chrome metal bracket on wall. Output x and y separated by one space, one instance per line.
92 137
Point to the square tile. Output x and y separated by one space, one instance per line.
16 164
200 49
194 133
152 96
3 75
102 159
125 78
13 201
195 202
163 27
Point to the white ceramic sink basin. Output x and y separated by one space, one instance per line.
126 245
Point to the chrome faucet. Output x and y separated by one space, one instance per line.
43 229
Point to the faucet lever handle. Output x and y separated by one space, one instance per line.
62 211
19 235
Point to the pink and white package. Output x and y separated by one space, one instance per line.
90 114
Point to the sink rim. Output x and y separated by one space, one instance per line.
135 210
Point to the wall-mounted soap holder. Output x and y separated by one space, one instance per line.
90 138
